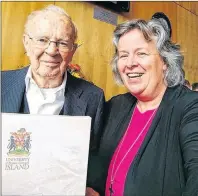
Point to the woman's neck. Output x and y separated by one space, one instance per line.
150 103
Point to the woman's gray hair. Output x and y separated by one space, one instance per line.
169 52
51 8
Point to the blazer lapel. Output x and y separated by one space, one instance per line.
167 101
73 105
12 94
118 126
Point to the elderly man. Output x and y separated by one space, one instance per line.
45 87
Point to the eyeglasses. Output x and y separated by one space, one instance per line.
43 43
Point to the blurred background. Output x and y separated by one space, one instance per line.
95 53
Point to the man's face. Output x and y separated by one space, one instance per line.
49 62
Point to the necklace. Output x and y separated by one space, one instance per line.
113 173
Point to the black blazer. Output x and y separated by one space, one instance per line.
81 98
167 162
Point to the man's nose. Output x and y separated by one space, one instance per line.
52 48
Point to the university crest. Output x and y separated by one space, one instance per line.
19 143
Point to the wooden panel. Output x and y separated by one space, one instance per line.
14 15
191 6
95 54
187 37
145 10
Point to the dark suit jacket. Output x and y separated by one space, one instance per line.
167 162
81 99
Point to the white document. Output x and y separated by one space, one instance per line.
44 155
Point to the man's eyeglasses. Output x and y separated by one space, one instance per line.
45 42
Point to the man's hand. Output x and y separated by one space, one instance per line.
91 192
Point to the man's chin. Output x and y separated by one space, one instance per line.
51 74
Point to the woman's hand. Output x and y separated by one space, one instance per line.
91 192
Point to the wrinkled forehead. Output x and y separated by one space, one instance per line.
51 24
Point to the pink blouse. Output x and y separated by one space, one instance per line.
133 138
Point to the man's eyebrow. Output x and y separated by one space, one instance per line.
40 36
65 39
122 51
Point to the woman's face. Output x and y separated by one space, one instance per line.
140 65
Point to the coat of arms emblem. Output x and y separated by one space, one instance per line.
19 143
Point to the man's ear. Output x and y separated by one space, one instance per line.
75 48
71 53
26 44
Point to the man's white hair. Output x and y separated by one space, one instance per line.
51 8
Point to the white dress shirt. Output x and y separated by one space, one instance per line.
44 100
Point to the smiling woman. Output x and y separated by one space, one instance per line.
140 71
150 140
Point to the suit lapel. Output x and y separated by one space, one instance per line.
73 105
25 107
12 94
